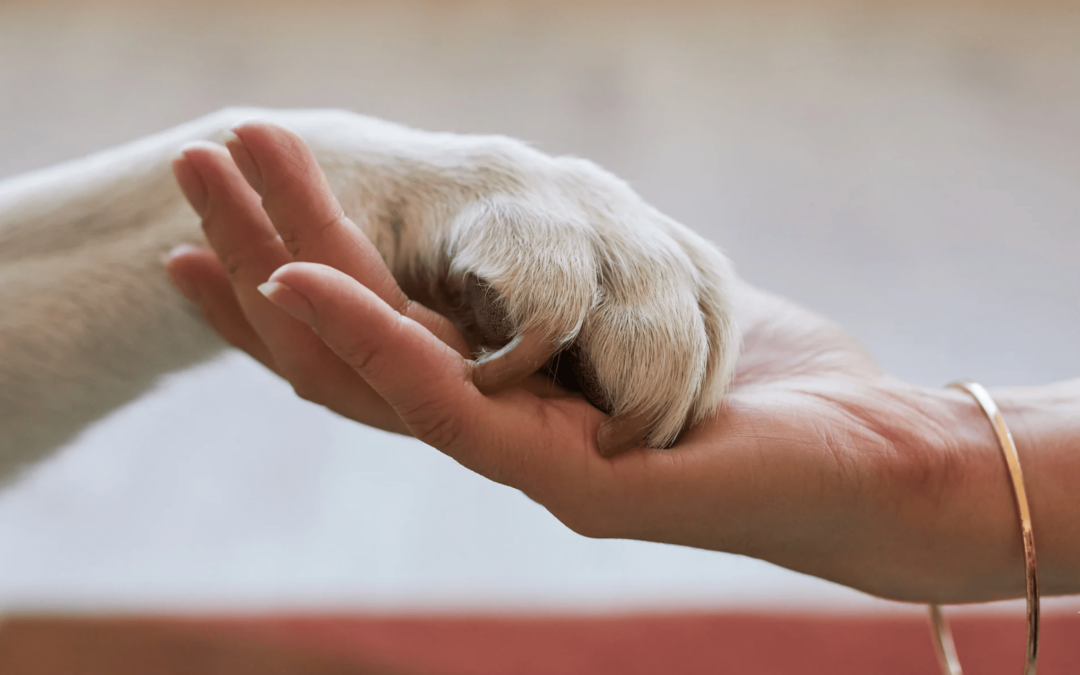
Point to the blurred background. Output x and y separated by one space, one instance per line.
909 169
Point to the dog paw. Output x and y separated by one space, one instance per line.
545 264
568 271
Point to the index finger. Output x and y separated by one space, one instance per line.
514 438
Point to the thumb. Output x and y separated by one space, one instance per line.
428 384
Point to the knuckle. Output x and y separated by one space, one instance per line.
292 243
358 355
436 420
238 259
437 428
234 262
302 239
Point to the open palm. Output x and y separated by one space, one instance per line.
816 461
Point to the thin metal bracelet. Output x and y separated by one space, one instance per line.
943 642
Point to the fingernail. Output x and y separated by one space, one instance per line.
180 250
617 435
186 287
244 161
289 300
191 184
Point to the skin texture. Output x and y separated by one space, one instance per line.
816 460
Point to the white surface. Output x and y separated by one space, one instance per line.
911 171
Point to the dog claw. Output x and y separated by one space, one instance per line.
620 434
520 358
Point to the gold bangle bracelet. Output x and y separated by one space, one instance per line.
943 642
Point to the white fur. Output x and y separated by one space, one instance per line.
88 320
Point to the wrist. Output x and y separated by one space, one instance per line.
1045 422
979 553
975 515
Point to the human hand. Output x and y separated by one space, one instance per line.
816 461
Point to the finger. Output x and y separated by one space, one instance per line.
278 164
425 381
304 210
545 449
191 184
232 218
198 274
248 246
